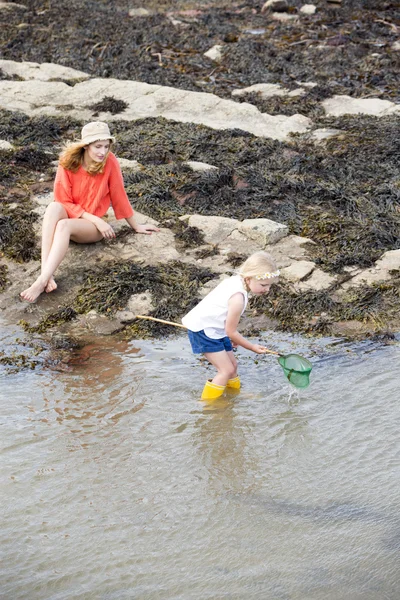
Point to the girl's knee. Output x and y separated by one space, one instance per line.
230 371
56 209
63 226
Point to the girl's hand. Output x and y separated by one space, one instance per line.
147 229
259 349
105 229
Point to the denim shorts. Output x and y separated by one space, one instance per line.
201 343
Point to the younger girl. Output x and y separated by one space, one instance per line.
88 180
212 324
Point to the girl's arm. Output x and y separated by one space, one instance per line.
235 308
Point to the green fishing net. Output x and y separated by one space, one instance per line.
297 369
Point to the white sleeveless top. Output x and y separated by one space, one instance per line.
211 312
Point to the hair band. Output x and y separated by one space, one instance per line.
267 275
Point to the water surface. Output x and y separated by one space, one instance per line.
117 483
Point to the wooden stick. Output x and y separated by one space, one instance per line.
273 352
160 321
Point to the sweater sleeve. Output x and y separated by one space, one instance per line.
63 194
119 199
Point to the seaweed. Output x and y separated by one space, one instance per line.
17 236
348 48
109 104
4 281
315 311
185 235
173 287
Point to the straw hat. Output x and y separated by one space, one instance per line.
94 132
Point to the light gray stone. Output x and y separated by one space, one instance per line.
345 105
284 17
266 90
263 231
139 12
215 229
325 133
4 145
140 304
396 46
288 249
215 53
318 281
277 5
308 9
41 72
200 166
12 6
125 163
298 270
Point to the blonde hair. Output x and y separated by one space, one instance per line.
71 158
258 264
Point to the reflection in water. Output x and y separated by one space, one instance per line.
100 373
221 440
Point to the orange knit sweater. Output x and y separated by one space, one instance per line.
81 192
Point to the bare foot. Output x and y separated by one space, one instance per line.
33 292
51 286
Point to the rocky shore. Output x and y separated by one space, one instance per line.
263 153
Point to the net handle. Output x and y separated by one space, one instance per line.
160 321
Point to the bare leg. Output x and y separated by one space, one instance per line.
54 213
80 231
224 363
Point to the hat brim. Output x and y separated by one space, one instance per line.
90 139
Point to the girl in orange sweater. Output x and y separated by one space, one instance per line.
88 180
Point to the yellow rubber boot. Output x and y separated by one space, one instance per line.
234 384
212 391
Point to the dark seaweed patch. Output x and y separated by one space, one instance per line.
17 236
109 104
4 282
315 311
185 235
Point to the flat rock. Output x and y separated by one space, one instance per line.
12 6
41 72
140 304
125 163
200 166
381 271
318 281
345 105
284 17
325 133
263 231
215 53
4 145
298 270
215 229
267 90
144 100
276 5
308 9
139 12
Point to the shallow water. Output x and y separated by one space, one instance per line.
117 483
